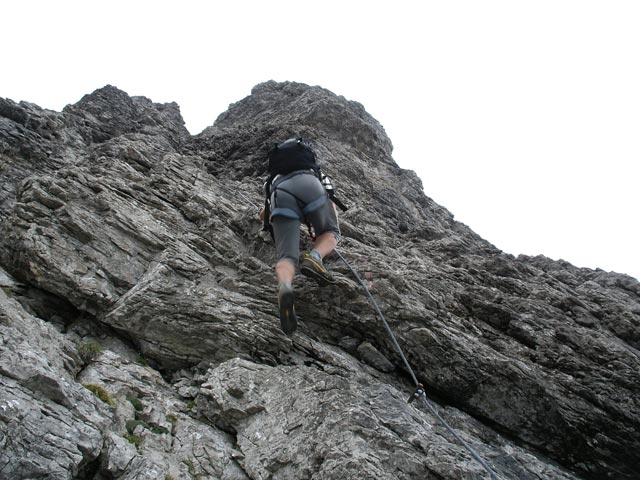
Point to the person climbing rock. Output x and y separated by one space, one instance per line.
295 193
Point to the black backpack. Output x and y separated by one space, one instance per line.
286 157
291 155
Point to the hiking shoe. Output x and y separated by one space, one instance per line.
314 269
288 321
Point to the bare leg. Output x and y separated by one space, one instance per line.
285 271
325 243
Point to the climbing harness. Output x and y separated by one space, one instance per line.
419 393
269 189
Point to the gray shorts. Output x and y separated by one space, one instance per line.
295 197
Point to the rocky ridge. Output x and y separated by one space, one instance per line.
138 327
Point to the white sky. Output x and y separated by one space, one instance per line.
521 118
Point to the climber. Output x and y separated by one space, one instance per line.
293 193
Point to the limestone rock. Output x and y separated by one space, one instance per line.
153 433
49 424
140 337
301 422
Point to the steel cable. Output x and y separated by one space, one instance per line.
420 392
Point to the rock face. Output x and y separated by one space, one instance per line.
139 336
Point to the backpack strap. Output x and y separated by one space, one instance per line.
338 203
328 186
266 222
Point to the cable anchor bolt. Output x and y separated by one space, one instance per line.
417 394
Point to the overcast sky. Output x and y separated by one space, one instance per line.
521 118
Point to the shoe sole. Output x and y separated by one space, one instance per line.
288 320
309 271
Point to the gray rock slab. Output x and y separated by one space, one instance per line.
118 227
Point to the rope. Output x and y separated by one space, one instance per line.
420 392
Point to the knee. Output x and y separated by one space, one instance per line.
335 235
287 263
330 237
